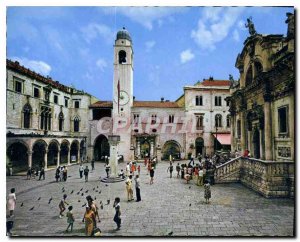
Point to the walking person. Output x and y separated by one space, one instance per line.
42 174
94 207
178 170
200 177
11 202
61 173
29 173
86 173
139 169
207 192
61 205
127 170
89 220
70 219
170 168
65 173
107 168
151 175
93 164
137 188
81 169
117 217
57 174
129 188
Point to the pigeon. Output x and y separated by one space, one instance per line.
22 204
86 191
189 187
108 201
81 189
170 234
99 192
39 198
50 200
106 185
96 191
82 194
95 198
63 188
101 206
93 189
83 205
97 187
78 193
31 208
190 204
72 192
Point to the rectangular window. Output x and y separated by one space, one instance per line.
76 104
55 99
18 86
199 101
218 101
171 118
36 92
66 102
283 120
199 122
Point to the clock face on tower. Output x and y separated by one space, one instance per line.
124 98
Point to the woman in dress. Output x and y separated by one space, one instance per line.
11 202
90 221
207 192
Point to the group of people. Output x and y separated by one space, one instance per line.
36 172
84 171
129 189
61 173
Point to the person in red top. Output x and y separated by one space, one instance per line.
246 153
133 169
139 169
196 174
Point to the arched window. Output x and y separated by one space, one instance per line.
45 118
76 124
218 120
26 115
228 118
61 121
249 76
258 68
122 56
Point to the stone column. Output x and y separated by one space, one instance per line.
58 157
113 160
250 146
139 149
46 159
232 121
243 132
69 156
29 153
268 131
151 149
158 153
78 156
261 147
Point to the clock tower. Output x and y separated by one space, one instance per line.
123 89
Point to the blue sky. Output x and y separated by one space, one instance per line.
173 46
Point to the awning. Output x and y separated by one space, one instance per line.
224 139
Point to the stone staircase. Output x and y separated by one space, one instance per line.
269 178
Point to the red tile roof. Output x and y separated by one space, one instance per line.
155 104
102 104
27 72
214 83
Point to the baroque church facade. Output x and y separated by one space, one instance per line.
50 124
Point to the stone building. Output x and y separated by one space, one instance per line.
262 104
46 121
50 124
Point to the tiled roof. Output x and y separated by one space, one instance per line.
25 71
155 104
214 83
102 104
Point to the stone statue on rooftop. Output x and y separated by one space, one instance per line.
250 26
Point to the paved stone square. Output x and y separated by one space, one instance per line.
167 206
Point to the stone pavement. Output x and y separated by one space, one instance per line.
167 206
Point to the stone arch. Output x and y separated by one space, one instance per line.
101 147
256 143
17 155
122 56
27 113
53 152
173 148
39 148
76 123
74 150
82 150
64 151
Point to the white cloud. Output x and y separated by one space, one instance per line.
150 45
146 16
241 25
94 30
236 35
186 56
214 25
38 66
101 63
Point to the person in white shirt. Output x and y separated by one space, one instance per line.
200 177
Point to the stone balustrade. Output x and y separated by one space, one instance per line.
269 178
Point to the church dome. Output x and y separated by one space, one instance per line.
123 34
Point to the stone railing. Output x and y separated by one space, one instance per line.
270 178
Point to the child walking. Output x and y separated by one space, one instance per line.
61 206
207 192
70 219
